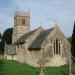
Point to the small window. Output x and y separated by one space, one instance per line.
59 47
17 46
23 21
56 46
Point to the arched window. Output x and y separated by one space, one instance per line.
57 47
54 47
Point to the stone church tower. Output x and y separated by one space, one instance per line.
21 25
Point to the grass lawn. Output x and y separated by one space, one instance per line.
15 68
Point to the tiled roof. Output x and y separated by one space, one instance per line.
37 41
40 38
26 36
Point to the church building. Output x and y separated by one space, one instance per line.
32 47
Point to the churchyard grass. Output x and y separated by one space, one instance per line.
15 68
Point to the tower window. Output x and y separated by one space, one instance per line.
23 21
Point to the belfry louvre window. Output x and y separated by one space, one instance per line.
23 21
56 47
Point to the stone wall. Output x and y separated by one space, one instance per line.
48 48
10 57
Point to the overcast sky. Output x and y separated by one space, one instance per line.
44 11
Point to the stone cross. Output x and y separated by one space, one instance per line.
41 67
